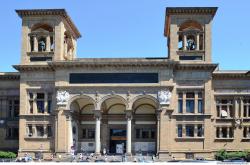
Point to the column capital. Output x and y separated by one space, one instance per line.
97 113
129 113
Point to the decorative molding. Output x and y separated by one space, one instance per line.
62 97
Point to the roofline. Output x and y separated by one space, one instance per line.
61 12
186 11
9 75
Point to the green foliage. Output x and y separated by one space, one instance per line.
223 154
4 154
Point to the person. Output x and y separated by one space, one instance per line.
104 151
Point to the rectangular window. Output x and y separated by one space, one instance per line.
113 78
10 108
49 102
40 96
40 131
40 106
179 130
200 131
138 133
16 108
189 130
30 131
190 106
49 130
190 95
152 134
91 133
84 135
15 134
145 133
180 106
200 106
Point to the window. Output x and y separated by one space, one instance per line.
16 108
49 102
10 108
190 106
246 132
84 135
189 130
49 131
180 102
91 133
145 133
224 132
40 102
40 131
224 108
200 103
12 133
179 130
199 130
31 101
30 131
246 108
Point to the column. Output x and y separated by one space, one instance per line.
197 41
129 125
158 116
220 132
247 133
195 130
45 131
183 130
34 130
247 109
184 42
35 44
184 103
236 108
196 103
45 102
48 43
70 134
242 107
97 132
34 104
228 131
228 111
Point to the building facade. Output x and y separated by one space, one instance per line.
180 106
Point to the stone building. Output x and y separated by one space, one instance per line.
180 106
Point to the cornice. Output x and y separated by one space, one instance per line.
119 62
235 74
60 12
33 67
199 66
9 76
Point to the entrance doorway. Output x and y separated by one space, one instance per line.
117 141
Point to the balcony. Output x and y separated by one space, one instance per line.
40 56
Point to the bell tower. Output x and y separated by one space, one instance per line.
188 31
47 35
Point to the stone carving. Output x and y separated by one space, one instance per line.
164 97
62 97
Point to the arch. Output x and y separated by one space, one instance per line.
118 97
144 100
190 24
75 98
44 26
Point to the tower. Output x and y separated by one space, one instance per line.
188 31
47 35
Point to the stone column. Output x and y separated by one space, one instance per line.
236 108
35 44
184 103
97 132
45 102
228 132
129 125
220 132
158 117
196 102
195 130
228 111
183 130
45 131
247 132
34 103
241 107
48 43
70 133
34 130
184 42
197 41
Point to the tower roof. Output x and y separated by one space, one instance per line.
186 11
59 12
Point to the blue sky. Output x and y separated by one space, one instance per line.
132 28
